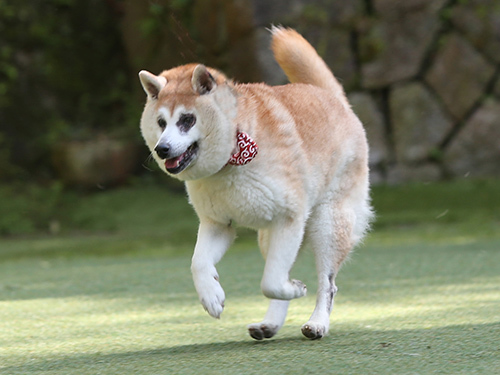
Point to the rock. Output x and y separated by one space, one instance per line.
419 123
496 89
276 12
344 13
226 35
393 8
475 150
339 56
272 74
459 75
376 176
479 21
293 12
313 20
393 48
371 116
404 173
103 161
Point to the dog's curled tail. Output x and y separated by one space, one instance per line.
300 61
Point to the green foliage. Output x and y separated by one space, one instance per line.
29 209
412 213
446 14
62 72
39 210
166 15
373 45
474 202
436 154
315 14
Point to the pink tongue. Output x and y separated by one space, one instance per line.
173 163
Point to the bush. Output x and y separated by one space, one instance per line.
63 72
29 209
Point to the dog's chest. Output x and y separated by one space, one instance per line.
253 203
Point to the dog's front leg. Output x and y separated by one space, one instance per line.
213 241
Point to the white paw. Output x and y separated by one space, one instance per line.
263 330
211 295
314 331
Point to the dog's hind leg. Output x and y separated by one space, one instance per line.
330 233
276 313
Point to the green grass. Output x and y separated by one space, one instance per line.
112 293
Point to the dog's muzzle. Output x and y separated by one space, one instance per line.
176 163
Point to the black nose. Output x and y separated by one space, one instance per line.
163 150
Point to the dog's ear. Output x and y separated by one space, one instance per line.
202 81
152 84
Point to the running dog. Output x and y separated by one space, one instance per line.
288 161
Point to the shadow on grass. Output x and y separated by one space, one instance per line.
451 349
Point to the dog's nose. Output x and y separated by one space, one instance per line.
163 150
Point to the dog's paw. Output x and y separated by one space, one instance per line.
289 290
214 306
314 331
300 288
212 297
263 330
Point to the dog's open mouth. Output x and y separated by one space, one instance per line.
181 162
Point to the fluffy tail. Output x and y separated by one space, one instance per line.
300 61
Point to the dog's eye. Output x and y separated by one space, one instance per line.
186 121
162 123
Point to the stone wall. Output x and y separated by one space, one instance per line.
423 75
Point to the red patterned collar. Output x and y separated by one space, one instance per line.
247 150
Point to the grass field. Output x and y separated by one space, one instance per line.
111 293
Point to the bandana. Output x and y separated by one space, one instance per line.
247 149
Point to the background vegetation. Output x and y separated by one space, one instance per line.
423 76
63 72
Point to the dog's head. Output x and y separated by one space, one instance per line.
188 120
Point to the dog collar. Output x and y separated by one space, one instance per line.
247 149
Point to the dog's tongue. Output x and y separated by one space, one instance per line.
173 163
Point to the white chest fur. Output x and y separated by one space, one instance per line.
250 201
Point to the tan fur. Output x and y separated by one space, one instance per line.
180 89
309 179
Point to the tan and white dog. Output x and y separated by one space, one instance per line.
289 161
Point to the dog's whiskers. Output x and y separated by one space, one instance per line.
147 161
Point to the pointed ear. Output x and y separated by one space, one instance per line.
152 84
202 81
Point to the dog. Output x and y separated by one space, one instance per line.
289 161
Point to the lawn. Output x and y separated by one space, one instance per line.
111 292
